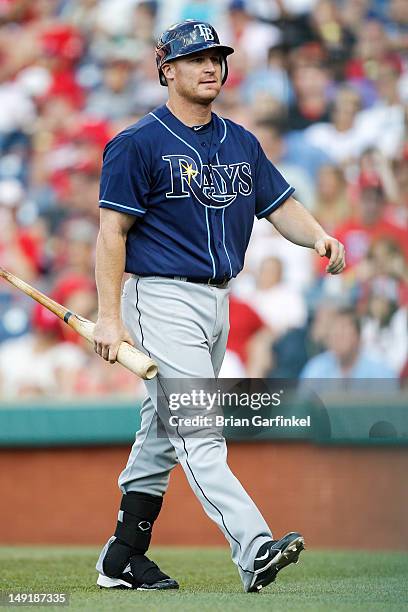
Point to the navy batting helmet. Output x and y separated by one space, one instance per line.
186 38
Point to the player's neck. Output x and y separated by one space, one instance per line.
190 113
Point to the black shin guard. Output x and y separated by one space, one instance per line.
138 511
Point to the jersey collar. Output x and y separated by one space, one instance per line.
190 136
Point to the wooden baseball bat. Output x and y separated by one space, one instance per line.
134 360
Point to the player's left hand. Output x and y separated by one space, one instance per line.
334 250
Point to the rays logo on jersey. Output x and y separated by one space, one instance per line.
215 186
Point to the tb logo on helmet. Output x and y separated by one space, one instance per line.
205 31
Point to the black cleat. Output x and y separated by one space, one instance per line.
147 576
126 581
160 585
274 556
124 570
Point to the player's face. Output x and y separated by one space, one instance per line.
343 338
196 77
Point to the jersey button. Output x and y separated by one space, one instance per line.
203 144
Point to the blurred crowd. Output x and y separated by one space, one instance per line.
324 86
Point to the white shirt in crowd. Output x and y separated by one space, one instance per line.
24 370
390 342
281 307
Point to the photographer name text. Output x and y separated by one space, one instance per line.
255 421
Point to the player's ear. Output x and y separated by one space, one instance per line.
169 71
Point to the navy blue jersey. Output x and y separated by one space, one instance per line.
193 193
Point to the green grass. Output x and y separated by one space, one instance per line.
322 581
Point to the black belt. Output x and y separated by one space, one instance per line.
220 283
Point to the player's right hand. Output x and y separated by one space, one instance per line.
108 335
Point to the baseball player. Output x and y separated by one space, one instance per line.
179 192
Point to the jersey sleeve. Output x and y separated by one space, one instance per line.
125 180
271 188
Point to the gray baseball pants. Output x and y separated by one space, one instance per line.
184 327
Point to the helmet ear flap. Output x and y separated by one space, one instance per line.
160 54
224 69
162 78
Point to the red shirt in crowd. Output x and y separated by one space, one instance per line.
244 323
357 239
